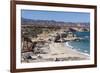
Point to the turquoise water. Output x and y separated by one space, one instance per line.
82 45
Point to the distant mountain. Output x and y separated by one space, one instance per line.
47 23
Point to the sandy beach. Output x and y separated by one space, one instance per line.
57 52
44 39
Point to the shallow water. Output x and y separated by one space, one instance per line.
82 45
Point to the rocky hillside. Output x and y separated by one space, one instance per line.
50 23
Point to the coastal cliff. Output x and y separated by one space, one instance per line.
43 40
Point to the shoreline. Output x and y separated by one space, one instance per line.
76 49
69 51
58 52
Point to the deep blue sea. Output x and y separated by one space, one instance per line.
82 45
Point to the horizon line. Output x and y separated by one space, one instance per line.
53 20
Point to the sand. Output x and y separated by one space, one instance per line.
59 52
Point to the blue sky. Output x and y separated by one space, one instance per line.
57 16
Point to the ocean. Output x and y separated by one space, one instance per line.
82 45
